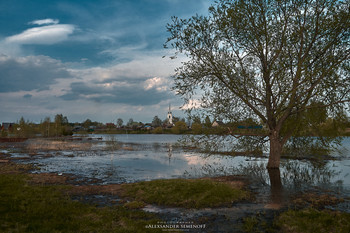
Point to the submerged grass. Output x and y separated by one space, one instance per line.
185 193
32 208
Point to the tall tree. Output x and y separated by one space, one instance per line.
267 59
45 127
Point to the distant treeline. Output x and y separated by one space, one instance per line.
60 126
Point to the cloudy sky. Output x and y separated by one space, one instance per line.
96 59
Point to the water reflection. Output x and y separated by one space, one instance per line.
170 151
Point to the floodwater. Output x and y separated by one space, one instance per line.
109 159
114 159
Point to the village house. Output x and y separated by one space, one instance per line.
7 126
217 124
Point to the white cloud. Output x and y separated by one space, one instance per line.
160 84
45 21
43 35
192 104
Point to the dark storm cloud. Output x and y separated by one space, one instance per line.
30 73
131 93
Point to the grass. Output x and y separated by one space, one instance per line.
36 208
313 220
185 193
26 207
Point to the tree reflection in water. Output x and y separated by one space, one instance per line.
304 164
292 177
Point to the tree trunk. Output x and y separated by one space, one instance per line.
276 186
275 150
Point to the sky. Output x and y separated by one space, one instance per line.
89 59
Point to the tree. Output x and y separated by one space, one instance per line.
197 128
179 128
269 60
87 123
45 127
207 122
130 122
156 122
22 128
120 122
197 119
61 125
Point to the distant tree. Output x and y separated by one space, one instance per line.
269 60
197 128
130 122
61 126
60 119
207 122
179 128
45 126
156 122
22 128
175 119
158 130
196 119
120 122
87 123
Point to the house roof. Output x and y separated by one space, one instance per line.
6 125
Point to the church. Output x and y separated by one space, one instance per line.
170 117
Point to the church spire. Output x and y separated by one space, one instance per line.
169 109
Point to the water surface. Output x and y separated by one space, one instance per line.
130 158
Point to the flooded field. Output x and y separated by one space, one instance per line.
113 159
116 159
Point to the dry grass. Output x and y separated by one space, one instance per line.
42 144
13 168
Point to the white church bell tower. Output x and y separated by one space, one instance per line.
170 117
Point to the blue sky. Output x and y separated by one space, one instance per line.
96 59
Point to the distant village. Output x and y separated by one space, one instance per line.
60 126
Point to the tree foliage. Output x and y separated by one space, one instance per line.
156 122
271 60
120 122
179 128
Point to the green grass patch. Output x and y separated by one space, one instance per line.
257 224
34 208
312 220
185 193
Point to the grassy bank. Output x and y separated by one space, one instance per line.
185 193
312 220
29 206
25 207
